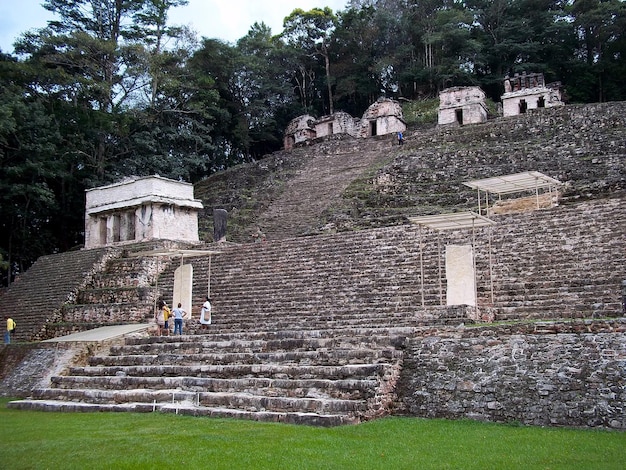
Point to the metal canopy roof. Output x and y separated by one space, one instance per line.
452 221
506 184
176 252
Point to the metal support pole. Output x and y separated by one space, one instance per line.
478 201
439 263
208 288
421 264
537 191
486 203
491 268
474 262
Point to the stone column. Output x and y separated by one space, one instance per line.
460 275
183 288
220 217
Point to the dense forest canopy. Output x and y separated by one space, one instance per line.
111 89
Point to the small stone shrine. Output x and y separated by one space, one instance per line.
336 123
300 129
140 209
529 91
462 105
382 117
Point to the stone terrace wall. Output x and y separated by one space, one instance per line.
552 374
566 262
584 146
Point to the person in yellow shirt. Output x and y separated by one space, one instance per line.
10 329
166 315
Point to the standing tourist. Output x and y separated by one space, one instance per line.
178 314
161 316
167 313
205 313
160 321
10 329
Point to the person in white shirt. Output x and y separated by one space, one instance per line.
205 313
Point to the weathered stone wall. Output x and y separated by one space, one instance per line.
583 146
552 374
382 117
140 209
336 123
469 101
299 130
529 98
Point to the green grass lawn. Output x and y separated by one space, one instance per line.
51 440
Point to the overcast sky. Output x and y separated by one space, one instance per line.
228 20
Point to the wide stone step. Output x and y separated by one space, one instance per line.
601 310
198 344
292 323
364 336
346 389
277 371
108 313
331 357
245 324
323 310
312 419
234 400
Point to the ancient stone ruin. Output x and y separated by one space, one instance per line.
337 123
140 209
299 130
529 91
381 118
462 105
519 320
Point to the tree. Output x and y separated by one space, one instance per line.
73 117
264 88
361 45
601 31
29 135
215 68
311 32
97 57
437 48
517 36
149 35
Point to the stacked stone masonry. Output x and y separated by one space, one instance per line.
566 375
346 312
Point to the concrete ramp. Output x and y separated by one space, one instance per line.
100 334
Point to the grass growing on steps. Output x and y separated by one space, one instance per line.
53 440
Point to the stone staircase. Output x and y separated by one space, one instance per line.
568 262
305 360
79 290
125 290
312 330
313 377
367 279
319 183
565 262
36 299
